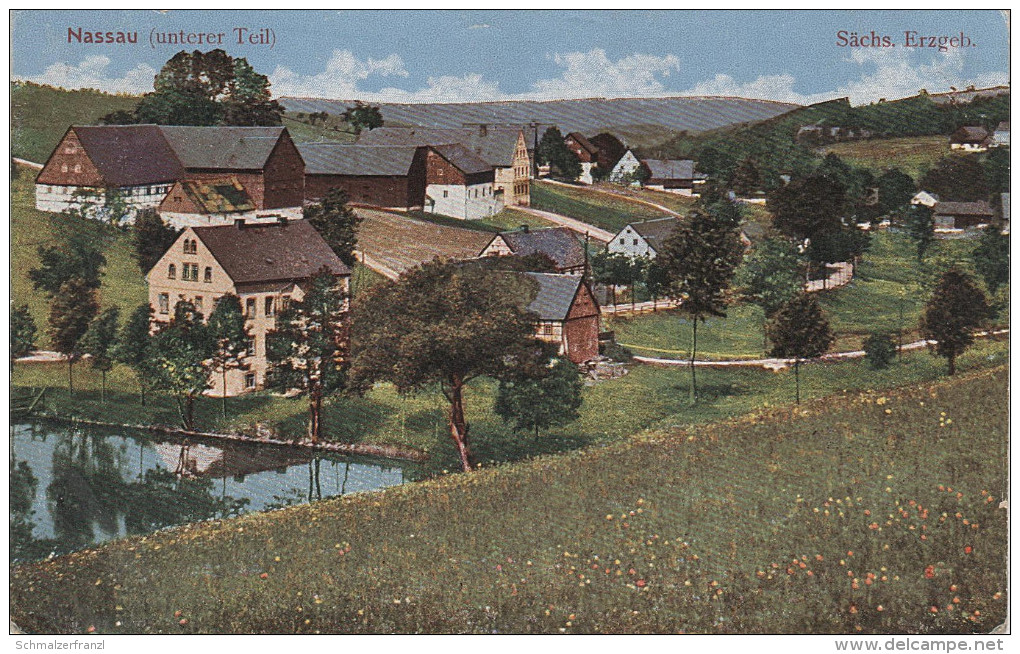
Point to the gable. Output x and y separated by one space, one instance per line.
70 156
176 255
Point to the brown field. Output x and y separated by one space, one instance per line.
400 242
913 155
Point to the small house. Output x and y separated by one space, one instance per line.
207 202
558 243
925 198
1000 137
610 150
961 215
643 239
673 175
626 169
970 138
568 315
585 152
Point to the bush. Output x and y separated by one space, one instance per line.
616 352
879 350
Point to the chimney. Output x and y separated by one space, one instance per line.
239 223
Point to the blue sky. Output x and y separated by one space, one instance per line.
407 56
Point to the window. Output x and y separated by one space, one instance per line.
623 241
284 302
190 246
189 272
635 241
171 272
249 380
198 303
249 307
63 168
269 305
208 274
250 347
77 168
446 194
164 303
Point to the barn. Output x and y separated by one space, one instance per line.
389 176
568 315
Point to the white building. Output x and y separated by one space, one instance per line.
925 198
460 184
625 169
643 239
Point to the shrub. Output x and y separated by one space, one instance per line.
879 350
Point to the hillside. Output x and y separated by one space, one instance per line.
632 116
762 524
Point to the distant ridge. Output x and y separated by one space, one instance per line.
590 115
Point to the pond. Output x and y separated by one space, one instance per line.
72 486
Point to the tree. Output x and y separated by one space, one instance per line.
612 269
895 189
152 237
208 88
135 347
956 310
553 150
446 324
227 323
336 222
656 280
991 258
879 350
957 178
799 330
308 350
77 258
72 310
996 169
180 355
99 343
769 276
23 332
919 222
536 403
362 115
808 206
746 178
699 259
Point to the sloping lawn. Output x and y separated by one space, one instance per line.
913 155
872 513
598 209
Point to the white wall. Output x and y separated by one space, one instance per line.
49 197
631 243
627 165
182 220
586 167
465 202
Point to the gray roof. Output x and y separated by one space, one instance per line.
555 295
496 145
979 208
1002 126
969 134
239 148
339 159
270 252
557 243
670 168
465 160
655 232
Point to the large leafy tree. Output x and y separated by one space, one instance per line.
309 348
362 116
540 402
808 206
227 323
919 222
746 178
956 310
996 168
446 324
99 343
152 237
699 259
23 331
336 222
798 331
77 258
991 258
553 150
207 88
71 312
957 178
180 355
135 347
769 276
895 189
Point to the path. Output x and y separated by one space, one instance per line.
844 275
779 364
572 224
26 162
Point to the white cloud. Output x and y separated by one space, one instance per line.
593 74
446 88
91 73
339 79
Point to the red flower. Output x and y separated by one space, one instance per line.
929 572
640 583
968 549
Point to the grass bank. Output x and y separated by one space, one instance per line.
913 155
598 209
865 512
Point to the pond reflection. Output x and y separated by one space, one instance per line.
72 487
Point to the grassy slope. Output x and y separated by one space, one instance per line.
597 209
913 155
661 533
40 115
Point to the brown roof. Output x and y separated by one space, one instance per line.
270 252
130 155
581 140
236 148
979 208
465 160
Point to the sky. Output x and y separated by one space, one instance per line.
467 55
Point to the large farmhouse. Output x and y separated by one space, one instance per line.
568 315
459 183
264 264
389 176
559 244
140 164
505 148
206 202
